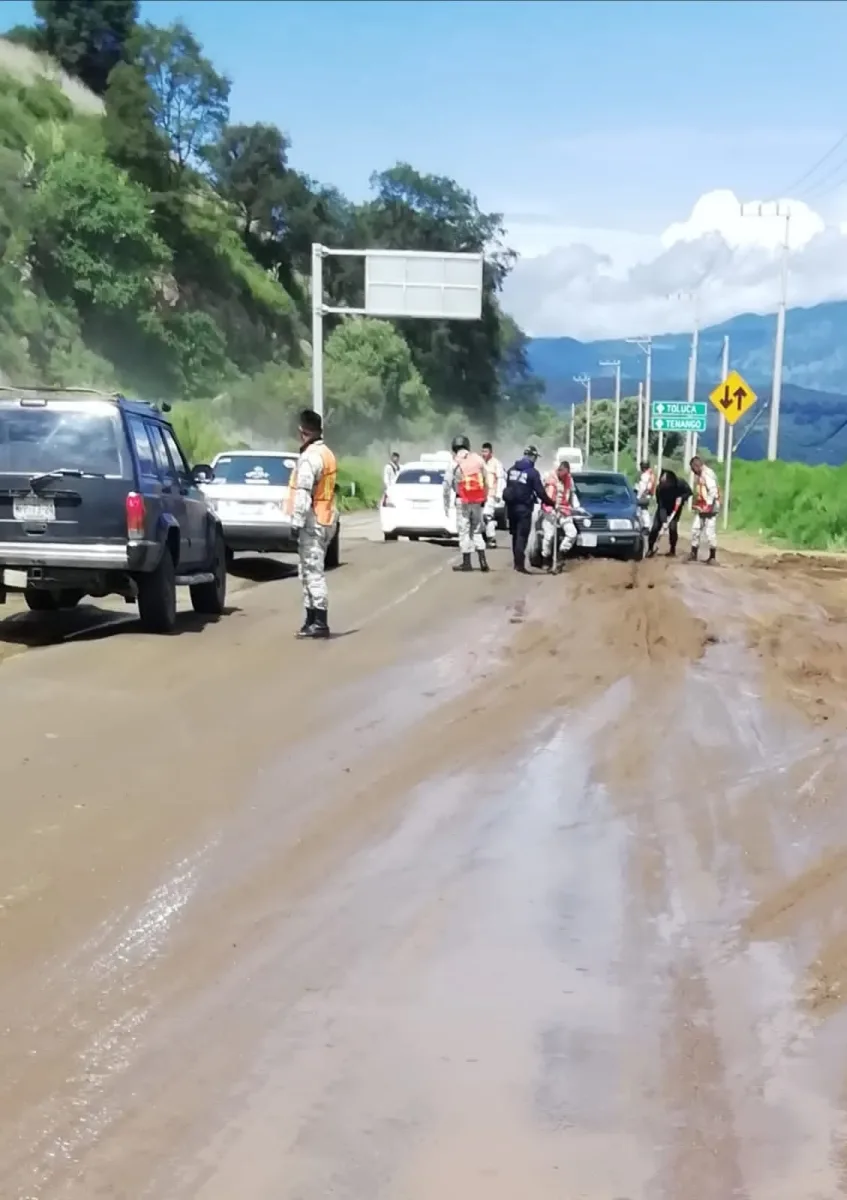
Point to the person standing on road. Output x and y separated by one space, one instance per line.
645 490
671 494
706 505
392 470
314 518
524 488
467 481
496 480
558 514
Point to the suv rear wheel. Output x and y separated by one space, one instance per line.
209 599
157 596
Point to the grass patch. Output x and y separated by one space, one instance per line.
365 481
790 504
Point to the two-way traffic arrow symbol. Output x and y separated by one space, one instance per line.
739 396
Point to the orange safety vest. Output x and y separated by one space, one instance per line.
471 488
323 497
701 501
560 493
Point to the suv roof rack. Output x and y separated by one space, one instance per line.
74 393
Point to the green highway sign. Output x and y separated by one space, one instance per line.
678 424
677 408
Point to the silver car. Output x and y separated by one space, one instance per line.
249 492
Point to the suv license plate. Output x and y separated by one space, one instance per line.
589 540
34 510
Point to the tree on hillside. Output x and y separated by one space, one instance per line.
249 168
133 140
190 98
88 37
92 235
459 360
374 349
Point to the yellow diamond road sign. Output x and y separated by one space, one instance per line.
733 397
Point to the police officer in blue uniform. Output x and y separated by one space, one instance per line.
524 487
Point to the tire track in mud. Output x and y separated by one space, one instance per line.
710 833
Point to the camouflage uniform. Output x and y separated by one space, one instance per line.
314 538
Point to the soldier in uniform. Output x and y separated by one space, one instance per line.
468 481
314 518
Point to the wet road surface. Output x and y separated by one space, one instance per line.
517 888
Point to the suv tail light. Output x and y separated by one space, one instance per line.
135 514
386 503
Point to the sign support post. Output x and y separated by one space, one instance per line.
732 398
317 329
415 284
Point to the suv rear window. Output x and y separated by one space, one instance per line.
35 440
420 475
268 469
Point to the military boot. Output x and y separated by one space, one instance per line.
713 555
692 554
483 561
319 627
465 564
308 621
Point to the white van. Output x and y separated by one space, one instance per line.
572 455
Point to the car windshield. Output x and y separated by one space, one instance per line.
36 440
270 470
421 475
602 489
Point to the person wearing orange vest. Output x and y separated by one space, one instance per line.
557 520
645 490
706 506
314 518
469 483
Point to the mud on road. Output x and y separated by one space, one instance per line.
517 888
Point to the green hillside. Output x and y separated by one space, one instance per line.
148 243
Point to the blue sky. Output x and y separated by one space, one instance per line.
595 123
617 114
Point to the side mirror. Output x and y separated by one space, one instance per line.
202 473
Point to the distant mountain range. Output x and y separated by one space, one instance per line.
813 425
815 350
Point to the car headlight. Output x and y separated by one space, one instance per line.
619 524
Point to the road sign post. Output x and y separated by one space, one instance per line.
417 284
732 398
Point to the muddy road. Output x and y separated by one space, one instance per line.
516 888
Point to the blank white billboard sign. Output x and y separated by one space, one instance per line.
440 287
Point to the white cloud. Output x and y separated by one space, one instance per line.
590 283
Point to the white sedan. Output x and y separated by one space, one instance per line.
413 506
249 492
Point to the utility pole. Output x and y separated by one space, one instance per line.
783 213
779 346
639 426
585 380
722 425
691 438
573 424
616 364
646 345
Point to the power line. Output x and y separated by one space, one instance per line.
807 174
